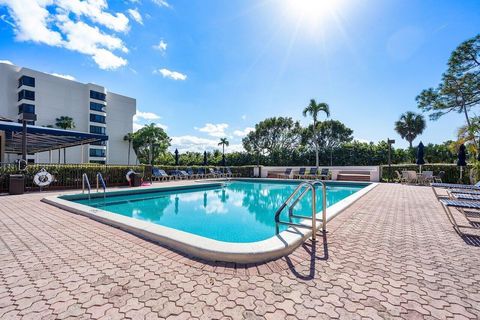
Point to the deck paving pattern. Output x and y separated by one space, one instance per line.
392 254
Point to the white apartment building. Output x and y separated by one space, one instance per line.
92 108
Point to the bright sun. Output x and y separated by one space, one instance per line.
314 12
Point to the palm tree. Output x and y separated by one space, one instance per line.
313 109
64 123
129 137
410 125
224 143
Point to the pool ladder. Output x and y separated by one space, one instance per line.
102 181
301 191
86 183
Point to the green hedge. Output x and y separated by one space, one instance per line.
69 176
452 172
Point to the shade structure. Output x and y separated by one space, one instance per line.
41 139
205 162
420 154
176 157
462 156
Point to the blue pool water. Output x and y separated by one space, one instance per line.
238 211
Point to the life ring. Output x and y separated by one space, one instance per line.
42 178
128 175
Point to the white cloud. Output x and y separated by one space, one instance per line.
244 116
90 40
214 130
6 62
197 144
243 133
162 3
161 46
69 24
171 74
145 116
140 119
94 10
64 76
135 14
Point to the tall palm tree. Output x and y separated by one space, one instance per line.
410 125
65 123
313 109
224 143
129 137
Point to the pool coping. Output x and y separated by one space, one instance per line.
209 249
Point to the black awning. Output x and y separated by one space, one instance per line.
40 139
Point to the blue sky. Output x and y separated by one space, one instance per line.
206 69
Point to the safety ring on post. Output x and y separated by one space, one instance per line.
42 178
128 175
22 165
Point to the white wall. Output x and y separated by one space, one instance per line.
374 170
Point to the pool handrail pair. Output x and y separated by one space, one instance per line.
308 185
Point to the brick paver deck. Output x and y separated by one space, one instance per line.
393 254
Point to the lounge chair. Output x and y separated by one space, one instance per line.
203 172
160 175
229 173
439 177
193 174
324 174
215 173
300 174
460 205
312 173
435 185
286 174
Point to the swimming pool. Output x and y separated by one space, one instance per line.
237 213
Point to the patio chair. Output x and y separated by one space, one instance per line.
195 175
214 173
460 205
229 173
324 173
300 174
400 176
312 173
439 177
183 174
286 174
160 175
426 177
412 176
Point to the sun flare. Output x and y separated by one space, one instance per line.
314 12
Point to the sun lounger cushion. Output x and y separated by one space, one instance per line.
461 204
455 186
465 196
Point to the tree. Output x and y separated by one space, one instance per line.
129 137
275 137
330 135
313 109
64 123
224 143
459 89
150 142
410 125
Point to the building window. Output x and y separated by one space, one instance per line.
97 106
97 161
26 81
97 118
99 153
97 130
27 108
99 143
26 94
97 95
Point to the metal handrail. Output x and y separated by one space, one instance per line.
87 182
309 185
104 186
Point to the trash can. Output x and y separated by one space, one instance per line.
16 184
137 180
